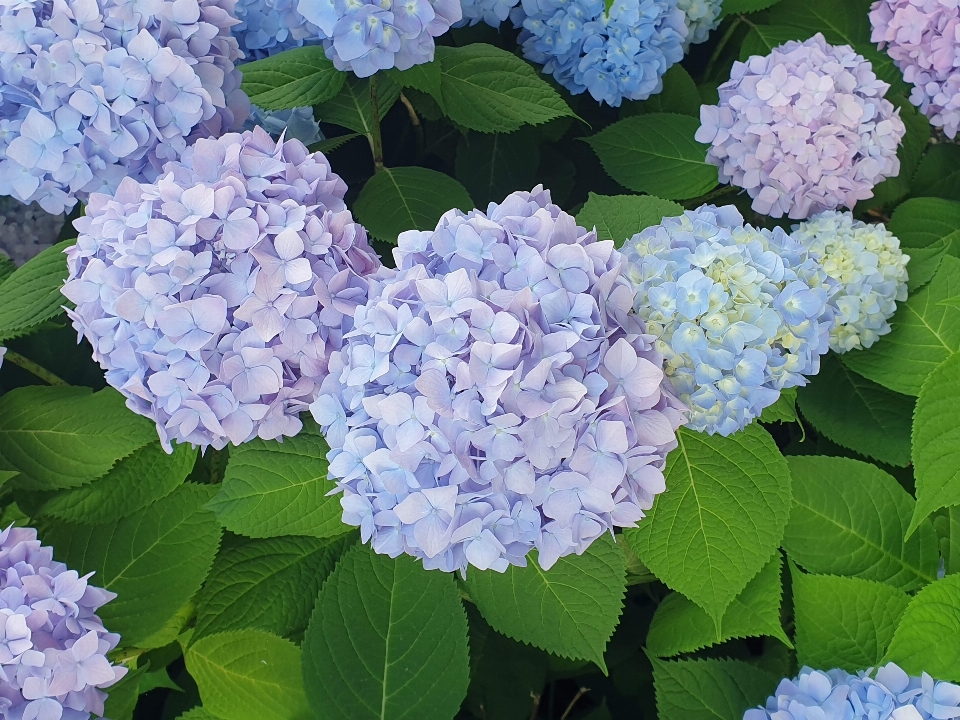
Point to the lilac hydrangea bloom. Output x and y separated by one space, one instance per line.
365 36
492 12
803 129
922 38
267 27
295 124
53 646
98 90
739 313
26 230
497 395
215 296
888 694
703 16
616 54
869 268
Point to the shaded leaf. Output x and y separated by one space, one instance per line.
708 689
350 108
491 166
31 295
938 174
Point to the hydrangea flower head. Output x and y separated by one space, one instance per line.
803 129
497 395
295 124
365 36
53 646
869 268
703 16
888 694
267 27
492 12
739 313
922 39
97 90
215 296
614 54
26 230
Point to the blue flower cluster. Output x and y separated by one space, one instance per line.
267 27
869 268
295 124
492 12
703 16
367 35
93 91
739 313
890 694
497 394
614 54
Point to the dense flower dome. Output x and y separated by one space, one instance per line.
616 54
26 230
94 91
54 646
366 36
703 16
739 313
267 27
215 296
921 36
803 129
890 694
869 268
497 395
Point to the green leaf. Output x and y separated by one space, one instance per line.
858 414
920 222
487 89
620 217
133 483
708 689
784 409
679 95
351 107
491 166
844 622
62 437
198 713
849 518
909 153
300 77
387 641
681 626
570 610
925 261
269 584
407 198
656 154
272 488
31 295
249 674
939 173
330 144
155 559
122 698
928 637
7 268
721 518
924 334
936 442
425 78
733 7
764 38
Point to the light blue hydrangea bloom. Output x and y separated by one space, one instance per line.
267 27
703 16
297 124
616 54
492 12
870 269
739 313
365 36
98 90
889 694
497 394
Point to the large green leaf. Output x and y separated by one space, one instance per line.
858 414
936 442
708 689
249 674
679 95
62 437
493 165
299 77
487 89
270 584
620 217
919 222
849 518
939 172
32 293
844 622
656 154
570 610
924 334
155 559
351 108
731 7
407 198
925 261
763 38
425 77
721 517
681 626
273 488
928 637
133 483
784 409
387 641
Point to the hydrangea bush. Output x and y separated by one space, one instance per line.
359 425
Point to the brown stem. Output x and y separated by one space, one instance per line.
580 693
376 140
